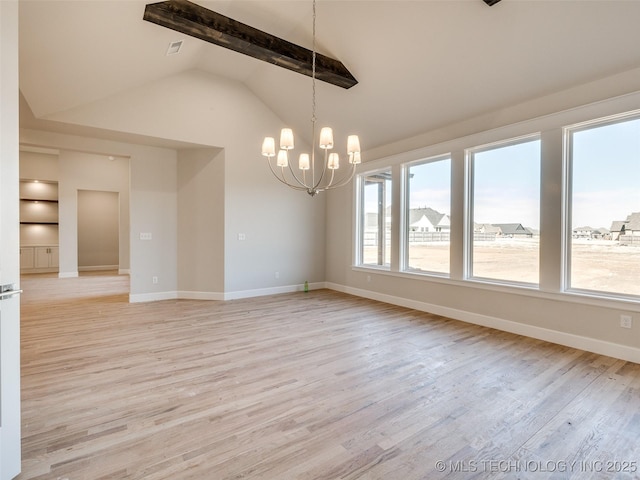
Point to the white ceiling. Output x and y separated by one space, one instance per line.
421 65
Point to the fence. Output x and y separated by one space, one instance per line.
371 238
633 240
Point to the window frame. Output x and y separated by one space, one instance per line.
469 179
404 215
567 203
361 219
552 199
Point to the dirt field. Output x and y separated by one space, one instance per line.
600 265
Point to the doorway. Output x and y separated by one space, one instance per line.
98 230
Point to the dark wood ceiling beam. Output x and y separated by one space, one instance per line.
196 21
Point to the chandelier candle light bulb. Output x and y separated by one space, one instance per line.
353 144
286 139
303 162
283 160
326 138
269 147
334 161
331 161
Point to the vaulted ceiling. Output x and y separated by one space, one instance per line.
420 65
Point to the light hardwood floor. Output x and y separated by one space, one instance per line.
306 386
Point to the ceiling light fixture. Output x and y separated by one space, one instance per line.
307 162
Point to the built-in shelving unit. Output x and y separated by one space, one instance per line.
38 226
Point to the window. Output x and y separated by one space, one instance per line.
375 219
505 212
604 206
427 218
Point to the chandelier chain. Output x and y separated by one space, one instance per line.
313 95
307 161
313 65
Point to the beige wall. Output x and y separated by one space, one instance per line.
154 210
89 171
201 192
578 320
39 166
76 170
284 230
152 206
98 229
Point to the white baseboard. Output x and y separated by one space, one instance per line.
27 271
260 292
219 296
67 274
601 347
97 268
189 295
152 297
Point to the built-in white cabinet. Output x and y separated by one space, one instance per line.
46 257
38 226
39 258
38 203
27 258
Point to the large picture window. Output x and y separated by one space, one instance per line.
427 216
604 207
375 219
505 212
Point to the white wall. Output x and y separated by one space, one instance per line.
548 313
9 243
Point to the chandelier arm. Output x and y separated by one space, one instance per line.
313 155
333 173
302 184
345 180
283 180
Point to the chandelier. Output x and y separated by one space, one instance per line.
308 179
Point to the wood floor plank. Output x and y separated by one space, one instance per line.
317 385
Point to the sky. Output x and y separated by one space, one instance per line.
605 180
606 174
430 185
506 185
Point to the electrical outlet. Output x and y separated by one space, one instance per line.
626 321
145 236
155 280
277 274
242 236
